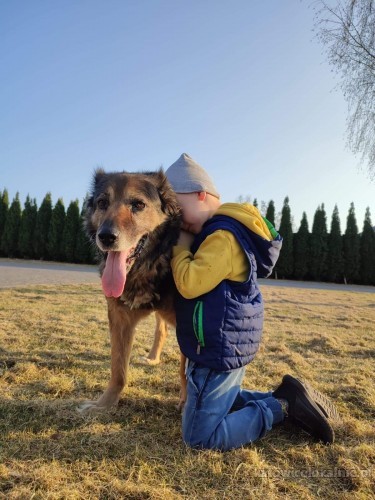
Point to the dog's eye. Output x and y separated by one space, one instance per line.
103 204
137 206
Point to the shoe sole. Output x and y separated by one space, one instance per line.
326 406
309 405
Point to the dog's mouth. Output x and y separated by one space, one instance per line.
117 265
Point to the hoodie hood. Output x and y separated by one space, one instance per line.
250 217
265 241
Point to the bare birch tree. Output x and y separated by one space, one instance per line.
347 29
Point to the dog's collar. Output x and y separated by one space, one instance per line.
137 251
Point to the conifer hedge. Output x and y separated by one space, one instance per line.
44 233
50 232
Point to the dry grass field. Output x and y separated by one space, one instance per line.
54 353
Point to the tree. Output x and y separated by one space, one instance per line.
71 231
43 220
284 266
243 199
367 251
27 229
56 231
335 260
4 207
270 214
301 248
9 241
351 248
85 251
318 245
348 32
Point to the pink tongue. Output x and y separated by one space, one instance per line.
114 275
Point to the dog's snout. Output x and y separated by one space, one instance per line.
108 235
107 238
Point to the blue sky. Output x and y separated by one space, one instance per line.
241 86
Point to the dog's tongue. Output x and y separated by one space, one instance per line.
114 275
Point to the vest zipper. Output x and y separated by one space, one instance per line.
198 325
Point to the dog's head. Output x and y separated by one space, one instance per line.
124 207
123 210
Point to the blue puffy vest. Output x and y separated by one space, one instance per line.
222 329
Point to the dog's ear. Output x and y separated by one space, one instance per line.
88 202
98 176
167 195
97 180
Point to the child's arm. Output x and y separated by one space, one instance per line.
200 273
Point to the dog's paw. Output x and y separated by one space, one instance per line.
90 408
144 360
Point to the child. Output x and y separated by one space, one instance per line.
219 311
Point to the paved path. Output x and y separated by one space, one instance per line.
14 272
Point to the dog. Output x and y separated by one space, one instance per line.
134 220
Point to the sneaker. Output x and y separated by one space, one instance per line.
304 411
326 406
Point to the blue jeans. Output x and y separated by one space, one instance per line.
219 415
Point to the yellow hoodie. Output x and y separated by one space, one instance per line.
219 257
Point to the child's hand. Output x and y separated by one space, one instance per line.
182 400
186 239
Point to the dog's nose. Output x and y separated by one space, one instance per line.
108 238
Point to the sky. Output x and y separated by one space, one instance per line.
242 86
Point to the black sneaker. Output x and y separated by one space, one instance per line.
304 411
326 406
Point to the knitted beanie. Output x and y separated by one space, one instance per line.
187 176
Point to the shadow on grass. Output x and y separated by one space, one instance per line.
51 359
44 429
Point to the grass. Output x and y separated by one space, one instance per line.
55 353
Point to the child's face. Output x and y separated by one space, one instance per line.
194 211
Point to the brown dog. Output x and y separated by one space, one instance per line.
134 220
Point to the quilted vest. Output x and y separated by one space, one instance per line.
222 329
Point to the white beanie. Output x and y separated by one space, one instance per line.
187 176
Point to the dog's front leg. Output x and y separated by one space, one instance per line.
122 322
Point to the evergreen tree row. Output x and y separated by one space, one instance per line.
323 256
47 233
51 233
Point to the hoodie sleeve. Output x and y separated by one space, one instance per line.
219 257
